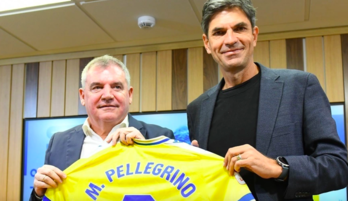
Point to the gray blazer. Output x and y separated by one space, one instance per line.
65 147
294 121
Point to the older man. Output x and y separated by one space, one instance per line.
106 93
274 126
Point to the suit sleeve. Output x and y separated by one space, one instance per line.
151 131
324 166
48 151
168 133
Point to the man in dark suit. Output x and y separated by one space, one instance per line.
106 93
272 126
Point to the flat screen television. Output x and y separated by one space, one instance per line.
38 131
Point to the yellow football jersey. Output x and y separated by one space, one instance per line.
150 170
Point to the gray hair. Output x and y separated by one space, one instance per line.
104 61
211 7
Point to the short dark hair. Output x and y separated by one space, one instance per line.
211 7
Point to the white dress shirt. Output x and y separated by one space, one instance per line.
93 143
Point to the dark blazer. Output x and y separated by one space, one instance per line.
294 121
65 147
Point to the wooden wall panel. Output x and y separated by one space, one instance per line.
5 95
179 78
133 65
210 71
277 54
294 54
164 80
83 63
148 82
344 46
194 73
119 57
262 52
31 85
44 89
315 58
333 68
15 140
58 88
72 87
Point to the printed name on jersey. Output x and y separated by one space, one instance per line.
167 172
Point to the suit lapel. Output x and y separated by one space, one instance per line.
74 146
270 96
206 115
136 124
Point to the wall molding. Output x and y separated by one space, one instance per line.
303 33
134 48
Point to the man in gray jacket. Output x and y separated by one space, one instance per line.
106 93
272 126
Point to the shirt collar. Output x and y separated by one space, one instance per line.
87 130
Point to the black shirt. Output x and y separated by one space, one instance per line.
234 121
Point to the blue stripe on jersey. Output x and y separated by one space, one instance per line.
138 198
45 199
247 197
152 143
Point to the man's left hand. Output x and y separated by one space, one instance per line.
126 136
248 157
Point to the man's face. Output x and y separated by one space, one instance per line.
231 39
106 95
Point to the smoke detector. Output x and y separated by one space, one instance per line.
145 22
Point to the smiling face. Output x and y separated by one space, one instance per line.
106 95
231 39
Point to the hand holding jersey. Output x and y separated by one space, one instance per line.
246 156
49 176
125 135
195 143
154 169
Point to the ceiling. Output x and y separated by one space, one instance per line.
101 24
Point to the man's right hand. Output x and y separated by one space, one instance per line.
126 136
195 143
47 176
